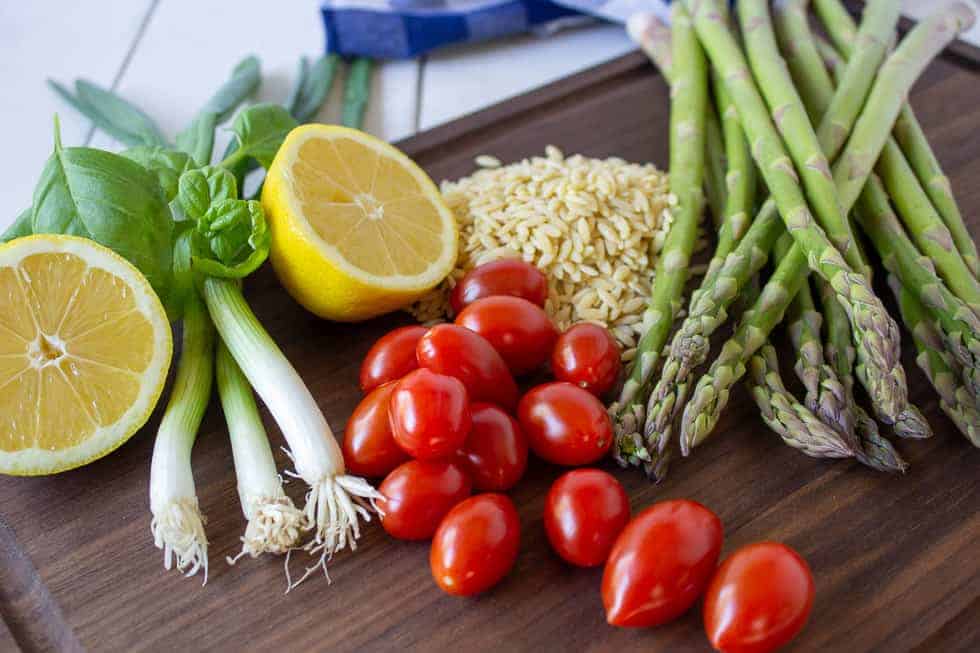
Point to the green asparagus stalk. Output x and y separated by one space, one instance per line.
913 141
909 134
810 72
825 394
958 325
792 24
741 185
925 225
357 90
653 37
791 420
928 39
954 399
689 102
690 347
875 334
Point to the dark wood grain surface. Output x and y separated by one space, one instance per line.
895 558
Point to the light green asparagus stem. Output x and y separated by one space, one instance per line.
796 423
357 90
809 71
925 225
689 102
791 420
825 394
955 401
740 179
958 325
895 77
908 132
653 37
875 334
798 135
741 186
792 26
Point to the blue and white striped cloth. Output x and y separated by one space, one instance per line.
397 29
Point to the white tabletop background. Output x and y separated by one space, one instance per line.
168 56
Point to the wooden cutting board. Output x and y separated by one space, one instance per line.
895 557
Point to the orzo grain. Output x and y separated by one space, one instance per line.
593 226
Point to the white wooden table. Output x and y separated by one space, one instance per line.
169 55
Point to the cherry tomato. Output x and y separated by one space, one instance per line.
521 332
456 351
584 512
369 448
391 357
661 563
418 494
565 425
495 452
476 545
430 414
509 276
758 600
588 356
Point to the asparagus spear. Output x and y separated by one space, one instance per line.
958 325
689 102
807 68
741 186
874 332
909 134
954 399
690 346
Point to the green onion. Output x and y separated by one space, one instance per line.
177 525
335 502
274 523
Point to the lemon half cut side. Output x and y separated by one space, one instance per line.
85 347
357 228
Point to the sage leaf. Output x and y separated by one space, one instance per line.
199 189
112 200
111 113
260 130
20 228
168 165
312 87
245 78
197 139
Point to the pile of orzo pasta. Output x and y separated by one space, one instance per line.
593 226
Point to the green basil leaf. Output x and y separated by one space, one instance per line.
167 165
20 228
357 90
112 200
261 129
312 87
197 139
245 78
199 189
121 119
232 239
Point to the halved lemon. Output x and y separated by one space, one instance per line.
357 228
84 350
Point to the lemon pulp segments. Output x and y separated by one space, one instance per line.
357 228
84 351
